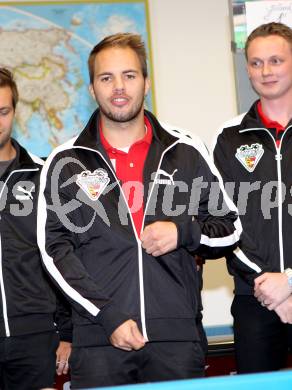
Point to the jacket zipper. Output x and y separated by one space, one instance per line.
140 253
278 158
148 201
2 286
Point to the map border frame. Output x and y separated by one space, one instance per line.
39 3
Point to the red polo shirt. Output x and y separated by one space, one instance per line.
129 165
270 124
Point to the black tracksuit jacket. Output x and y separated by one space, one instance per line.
27 300
92 250
246 155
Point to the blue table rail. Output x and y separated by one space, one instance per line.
265 381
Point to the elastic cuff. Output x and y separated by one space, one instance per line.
65 336
189 235
110 317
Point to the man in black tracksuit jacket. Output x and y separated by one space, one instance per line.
28 313
253 153
126 291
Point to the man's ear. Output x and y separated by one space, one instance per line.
147 86
91 91
247 70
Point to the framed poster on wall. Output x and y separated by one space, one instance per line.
247 15
46 45
244 17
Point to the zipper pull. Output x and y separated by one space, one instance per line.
278 157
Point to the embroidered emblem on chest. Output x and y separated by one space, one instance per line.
93 183
249 156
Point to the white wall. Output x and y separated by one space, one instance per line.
193 69
195 89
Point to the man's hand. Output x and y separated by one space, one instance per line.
128 337
284 311
62 356
159 238
271 289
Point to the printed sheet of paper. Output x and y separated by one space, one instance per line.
260 12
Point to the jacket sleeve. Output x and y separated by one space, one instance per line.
245 261
63 318
58 245
214 228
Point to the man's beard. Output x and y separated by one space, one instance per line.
123 117
5 140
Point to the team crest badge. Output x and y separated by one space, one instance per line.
93 183
249 156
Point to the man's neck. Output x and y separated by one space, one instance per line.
7 152
120 135
278 110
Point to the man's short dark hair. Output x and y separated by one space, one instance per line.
120 40
265 30
7 80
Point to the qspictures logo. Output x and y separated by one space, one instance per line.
199 196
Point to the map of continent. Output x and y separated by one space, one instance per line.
46 47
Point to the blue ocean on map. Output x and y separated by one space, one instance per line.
68 31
